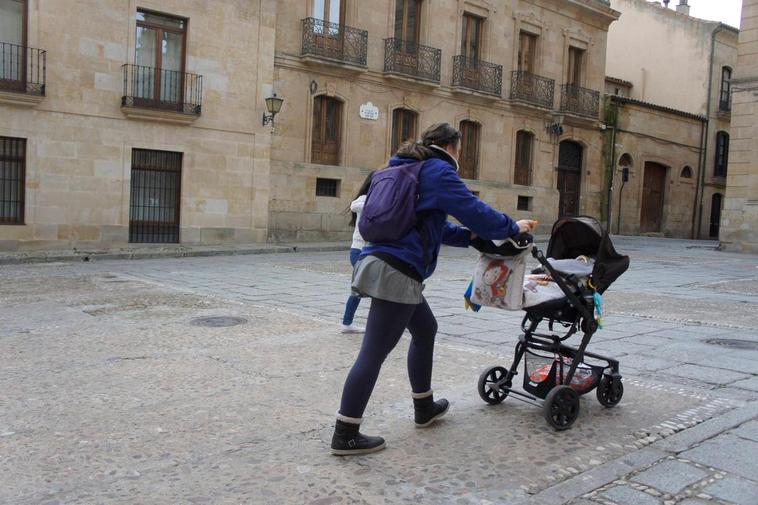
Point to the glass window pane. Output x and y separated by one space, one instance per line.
145 47
170 22
334 11
171 66
318 9
12 21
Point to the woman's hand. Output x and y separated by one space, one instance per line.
526 225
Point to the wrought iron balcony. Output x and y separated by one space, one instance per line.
22 69
580 101
533 89
335 42
477 75
412 60
165 90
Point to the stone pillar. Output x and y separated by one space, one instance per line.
739 224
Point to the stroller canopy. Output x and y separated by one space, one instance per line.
583 236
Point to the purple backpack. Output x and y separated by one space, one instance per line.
390 209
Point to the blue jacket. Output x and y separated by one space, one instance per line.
442 192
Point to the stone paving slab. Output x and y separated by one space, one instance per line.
734 490
671 476
729 453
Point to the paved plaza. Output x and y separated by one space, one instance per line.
120 385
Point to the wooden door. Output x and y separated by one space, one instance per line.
468 163
653 192
327 131
569 177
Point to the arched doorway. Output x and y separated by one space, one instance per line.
569 177
716 202
653 194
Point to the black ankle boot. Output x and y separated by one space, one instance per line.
427 410
348 440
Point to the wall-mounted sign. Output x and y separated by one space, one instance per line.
369 111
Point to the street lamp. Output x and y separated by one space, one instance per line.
273 105
556 127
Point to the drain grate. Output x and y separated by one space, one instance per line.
218 321
734 343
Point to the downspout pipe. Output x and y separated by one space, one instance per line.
701 182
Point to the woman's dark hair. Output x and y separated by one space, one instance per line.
362 191
440 134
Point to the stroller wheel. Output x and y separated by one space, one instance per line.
561 407
489 391
609 391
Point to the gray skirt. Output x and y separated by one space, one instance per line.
374 278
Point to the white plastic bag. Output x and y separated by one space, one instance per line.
499 281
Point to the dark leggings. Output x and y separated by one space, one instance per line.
386 323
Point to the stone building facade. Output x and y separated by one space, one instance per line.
739 231
672 62
134 122
656 152
140 121
496 70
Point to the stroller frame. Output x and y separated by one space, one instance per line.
561 403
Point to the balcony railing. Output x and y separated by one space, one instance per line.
580 101
333 41
477 75
533 89
168 90
22 69
412 60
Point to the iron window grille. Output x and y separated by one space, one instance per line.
532 89
477 75
22 69
412 60
12 180
580 101
327 187
157 88
155 198
334 41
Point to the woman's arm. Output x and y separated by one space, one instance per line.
358 203
454 198
456 236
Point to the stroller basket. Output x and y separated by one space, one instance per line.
543 373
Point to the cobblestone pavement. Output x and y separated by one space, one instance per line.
115 390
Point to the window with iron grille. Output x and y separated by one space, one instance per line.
327 187
522 173
155 196
722 154
12 180
403 127
469 159
524 203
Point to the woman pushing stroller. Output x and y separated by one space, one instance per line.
392 273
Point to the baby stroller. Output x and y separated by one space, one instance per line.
555 374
